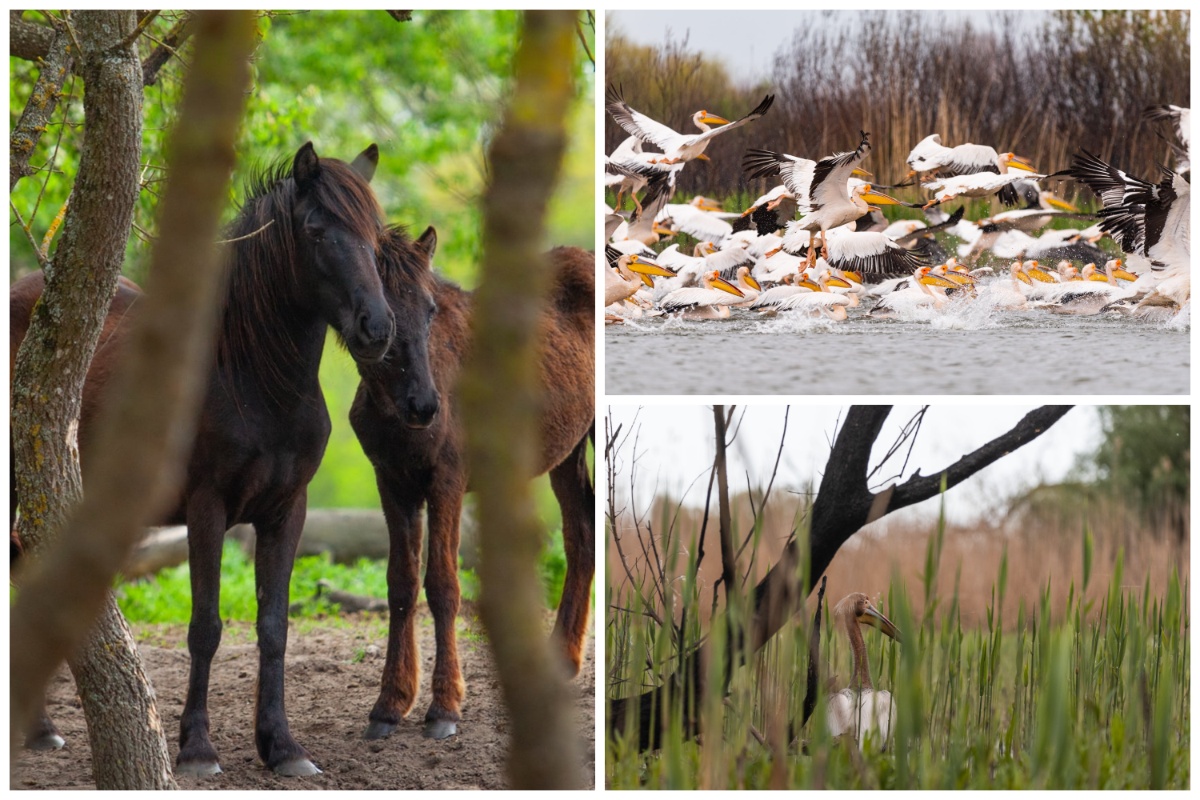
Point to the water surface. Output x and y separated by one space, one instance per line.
968 350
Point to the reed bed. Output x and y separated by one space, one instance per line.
1081 80
1005 678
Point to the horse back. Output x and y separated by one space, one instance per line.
23 297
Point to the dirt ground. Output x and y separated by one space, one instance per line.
333 670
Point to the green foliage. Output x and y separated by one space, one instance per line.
1098 698
1145 453
167 596
427 91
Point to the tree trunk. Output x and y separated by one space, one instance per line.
144 433
500 400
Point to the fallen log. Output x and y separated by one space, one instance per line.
345 534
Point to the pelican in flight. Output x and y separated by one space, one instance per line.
930 155
982 184
677 147
859 709
1145 219
821 189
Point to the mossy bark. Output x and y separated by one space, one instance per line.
146 428
500 400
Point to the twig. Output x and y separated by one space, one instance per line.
44 251
41 259
248 235
138 31
582 38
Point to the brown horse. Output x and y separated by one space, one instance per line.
411 430
303 258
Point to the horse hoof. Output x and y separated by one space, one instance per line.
297 768
379 730
46 741
440 728
198 769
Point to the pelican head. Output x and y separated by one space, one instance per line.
1013 161
867 193
644 266
713 280
925 275
1115 269
857 607
1050 200
1018 273
703 119
745 277
704 204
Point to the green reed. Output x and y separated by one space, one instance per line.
1097 697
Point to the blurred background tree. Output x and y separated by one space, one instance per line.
428 91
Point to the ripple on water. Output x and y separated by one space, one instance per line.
969 350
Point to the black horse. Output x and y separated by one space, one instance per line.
406 419
303 259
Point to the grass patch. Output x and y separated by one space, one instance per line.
166 598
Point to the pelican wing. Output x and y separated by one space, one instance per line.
1176 115
795 172
702 225
727 261
693 297
758 111
968 159
1109 183
872 255
928 154
832 174
638 124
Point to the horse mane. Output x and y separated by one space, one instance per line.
401 262
262 280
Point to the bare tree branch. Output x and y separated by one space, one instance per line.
56 66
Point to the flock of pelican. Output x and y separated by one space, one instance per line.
817 244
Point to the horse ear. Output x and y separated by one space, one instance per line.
306 166
366 162
427 242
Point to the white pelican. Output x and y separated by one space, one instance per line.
869 254
1145 219
859 710
710 302
677 147
622 282
981 184
822 301
630 170
769 213
1006 292
749 287
930 155
821 189
915 293
1095 291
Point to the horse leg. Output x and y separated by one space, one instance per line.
401 669
44 735
206 520
274 554
442 592
573 487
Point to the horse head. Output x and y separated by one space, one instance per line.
337 225
402 385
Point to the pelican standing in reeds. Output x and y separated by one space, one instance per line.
859 709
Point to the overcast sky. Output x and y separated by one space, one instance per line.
747 41
676 446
